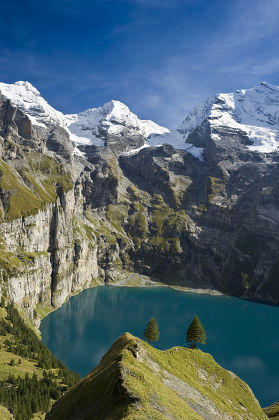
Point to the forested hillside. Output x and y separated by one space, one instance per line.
31 377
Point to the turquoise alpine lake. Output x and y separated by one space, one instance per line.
242 336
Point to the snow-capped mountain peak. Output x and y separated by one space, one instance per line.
116 108
87 127
94 124
27 98
28 86
254 111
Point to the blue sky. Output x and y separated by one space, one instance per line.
160 57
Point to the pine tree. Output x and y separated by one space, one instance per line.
151 332
195 333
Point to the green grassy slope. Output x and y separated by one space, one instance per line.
31 377
28 189
5 414
136 381
272 411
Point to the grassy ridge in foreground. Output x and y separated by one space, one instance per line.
136 381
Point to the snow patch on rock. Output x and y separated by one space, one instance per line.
177 140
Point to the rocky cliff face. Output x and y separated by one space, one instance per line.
90 198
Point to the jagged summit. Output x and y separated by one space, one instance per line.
116 109
114 118
29 100
253 111
28 86
91 126
118 112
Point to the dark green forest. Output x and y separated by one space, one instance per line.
30 394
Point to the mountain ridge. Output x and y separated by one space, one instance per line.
86 127
252 111
136 381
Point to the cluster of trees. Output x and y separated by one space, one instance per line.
29 395
25 343
25 396
5 327
195 333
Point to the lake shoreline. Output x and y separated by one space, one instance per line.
134 280
148 282
140 280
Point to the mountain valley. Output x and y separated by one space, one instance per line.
102 197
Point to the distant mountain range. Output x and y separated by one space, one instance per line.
99 196
252 111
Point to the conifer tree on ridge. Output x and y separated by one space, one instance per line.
151 332
195 333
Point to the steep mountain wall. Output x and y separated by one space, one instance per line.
76 215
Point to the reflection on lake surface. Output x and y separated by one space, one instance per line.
242 336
